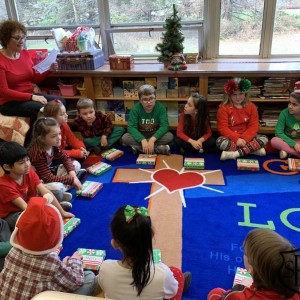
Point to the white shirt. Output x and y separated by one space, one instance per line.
115 281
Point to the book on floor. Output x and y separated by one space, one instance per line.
112 154
194 163
146 159
70 225
89 189
247 164
98 168
294 164
242 276
92 258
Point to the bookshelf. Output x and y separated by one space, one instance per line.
197 78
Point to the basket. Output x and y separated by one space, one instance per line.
68 89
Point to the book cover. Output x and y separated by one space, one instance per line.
112 154
247 164
92 258
294 164
98 168
146 159
89 189
194 163
242 277
70 225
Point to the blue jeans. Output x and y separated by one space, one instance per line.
90 285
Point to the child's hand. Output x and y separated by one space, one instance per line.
77 184
67 215
241 142
77 255
84 152
104 142
65 260
297 147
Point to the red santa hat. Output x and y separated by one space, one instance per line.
297 87
39 229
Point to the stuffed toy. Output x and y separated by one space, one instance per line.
177 62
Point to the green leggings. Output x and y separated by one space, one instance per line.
114 137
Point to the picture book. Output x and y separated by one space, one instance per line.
98 168
89 189
92 258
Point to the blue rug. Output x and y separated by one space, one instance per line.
214 224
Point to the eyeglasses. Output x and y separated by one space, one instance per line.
19 38
150 99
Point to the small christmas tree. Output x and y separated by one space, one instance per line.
172 41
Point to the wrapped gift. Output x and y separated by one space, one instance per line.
70 225
294 164
156 256
242 276
92 258
98 168
247 164
146 159
194 163
90 189
112 154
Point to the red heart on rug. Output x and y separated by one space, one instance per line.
172 180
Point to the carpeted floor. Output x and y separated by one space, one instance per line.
199 226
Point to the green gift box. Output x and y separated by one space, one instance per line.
92 258
194 163
99 168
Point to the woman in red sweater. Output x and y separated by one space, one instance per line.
55 109
238 123
193 131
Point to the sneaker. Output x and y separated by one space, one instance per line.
67 206
283 154
187 280
228 155
134 150
260 152
163 149
67 197
81 174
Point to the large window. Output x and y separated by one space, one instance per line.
3 12
240 27
286 34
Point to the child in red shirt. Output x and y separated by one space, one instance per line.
238 123
55 109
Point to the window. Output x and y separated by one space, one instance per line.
240 27
286 34
3 12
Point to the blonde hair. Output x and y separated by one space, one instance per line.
84 103
272 258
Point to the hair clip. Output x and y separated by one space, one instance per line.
232 86
130 212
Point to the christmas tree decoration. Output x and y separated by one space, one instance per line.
172 40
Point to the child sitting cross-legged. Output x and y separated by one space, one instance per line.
32 265
96 128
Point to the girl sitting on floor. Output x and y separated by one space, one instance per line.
55 109
271 261
136 276
193 131
238 123
287 139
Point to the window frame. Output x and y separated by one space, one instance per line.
208 39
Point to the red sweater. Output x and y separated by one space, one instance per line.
186 136
235 123
17 78
69 139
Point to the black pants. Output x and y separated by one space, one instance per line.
209 146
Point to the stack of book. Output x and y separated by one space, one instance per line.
276 88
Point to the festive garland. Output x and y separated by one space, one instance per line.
232 86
